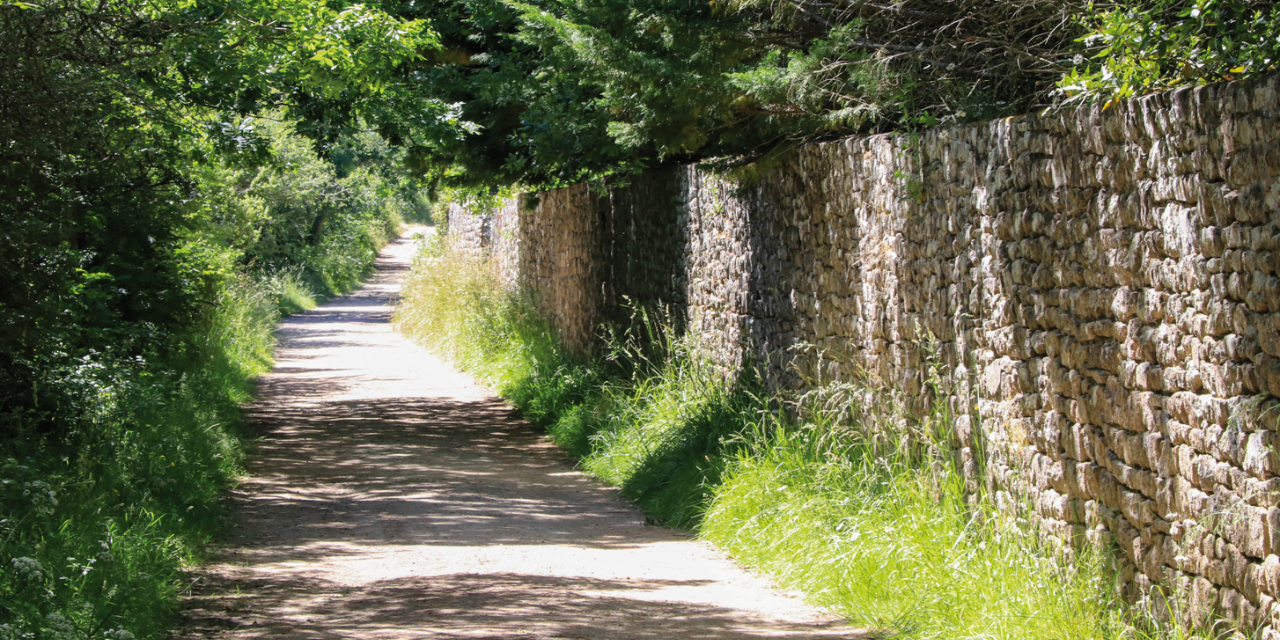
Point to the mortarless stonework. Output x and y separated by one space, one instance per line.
1102 284
467 232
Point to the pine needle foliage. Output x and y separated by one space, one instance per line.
566 91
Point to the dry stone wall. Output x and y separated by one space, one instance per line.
468 232
1101 285
491 233
561 260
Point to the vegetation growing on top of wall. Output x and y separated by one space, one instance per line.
813 490
561 92
1150 46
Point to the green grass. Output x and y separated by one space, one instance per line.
102 508
104 517
662 433
290 289
889 537
837 493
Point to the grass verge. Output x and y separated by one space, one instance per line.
104 500
884 532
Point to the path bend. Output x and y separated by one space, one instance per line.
390 496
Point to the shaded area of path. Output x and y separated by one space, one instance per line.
392 497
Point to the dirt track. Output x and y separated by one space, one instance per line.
392 497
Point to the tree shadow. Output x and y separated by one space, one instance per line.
385 500
482 606
420 472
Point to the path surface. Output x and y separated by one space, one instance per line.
392 497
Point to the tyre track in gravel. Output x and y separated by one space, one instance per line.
390 496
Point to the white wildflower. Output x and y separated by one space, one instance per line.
59 628
10 632
41 494
28 568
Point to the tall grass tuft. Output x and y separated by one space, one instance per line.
661 426
887 533
838 493
454 304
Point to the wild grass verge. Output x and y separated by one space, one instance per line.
820 491
105 500
883 530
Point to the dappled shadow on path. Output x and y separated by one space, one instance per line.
493 605
393 471
389 496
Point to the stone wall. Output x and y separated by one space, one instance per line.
561 260
468 232
1102 285
490 233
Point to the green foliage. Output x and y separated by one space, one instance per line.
103 516
661 426
494 333
303 213
144 271
555 92
329 65
320 221
562 91
119 455
525 118
658 67
123 214
887 533
1150 46
365 150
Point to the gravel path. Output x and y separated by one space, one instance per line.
392 497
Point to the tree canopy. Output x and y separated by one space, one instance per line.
115 110
109 114
176 173
560 91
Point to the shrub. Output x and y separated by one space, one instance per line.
1142 47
